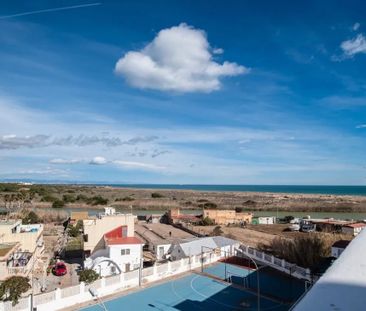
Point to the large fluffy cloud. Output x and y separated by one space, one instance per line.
178 59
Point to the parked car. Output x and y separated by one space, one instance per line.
294 227
59 269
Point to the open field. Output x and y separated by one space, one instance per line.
77 196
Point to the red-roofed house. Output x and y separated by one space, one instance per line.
121 253
353 229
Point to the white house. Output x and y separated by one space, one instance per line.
338 247
96 227
120 253
194 247
265 220
353 229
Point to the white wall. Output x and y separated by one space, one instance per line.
160 255
96 228
71 296
134 258
267 220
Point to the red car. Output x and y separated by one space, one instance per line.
59 269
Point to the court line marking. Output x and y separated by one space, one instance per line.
230 306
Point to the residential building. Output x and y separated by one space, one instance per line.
353 229
330 225
195 247
176 217
20 245
96 227
78 216
159 237
120 253
338 247
225 217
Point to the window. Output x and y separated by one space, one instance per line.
125 251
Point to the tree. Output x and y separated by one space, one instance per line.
217 231
74 231
88 276
306 251
12 288
58 204
207 221
31 218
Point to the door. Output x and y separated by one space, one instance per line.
161 252
127 267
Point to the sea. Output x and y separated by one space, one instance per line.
326 190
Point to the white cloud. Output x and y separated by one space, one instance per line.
138 165
14 142
65 161
356 26
218 51
354 46
45 171
98 161
361 126
178 59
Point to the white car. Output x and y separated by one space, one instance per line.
294 227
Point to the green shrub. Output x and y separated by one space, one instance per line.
58 204
9 187
306 251
31 218
48 198
156 195
207 221
75 231
12 288
82 198
217 231
97 200
125 199
67 198
209 205
88 276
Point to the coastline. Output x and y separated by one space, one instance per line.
124 198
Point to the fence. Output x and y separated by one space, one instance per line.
276 263
71 296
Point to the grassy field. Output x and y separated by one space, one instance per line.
13 196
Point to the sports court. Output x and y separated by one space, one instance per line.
199 292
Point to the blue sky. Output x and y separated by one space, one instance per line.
219 92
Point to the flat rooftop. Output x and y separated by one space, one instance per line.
6 248
159 233
9 222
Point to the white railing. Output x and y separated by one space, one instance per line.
72 296
274 262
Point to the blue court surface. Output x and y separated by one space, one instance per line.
194 292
